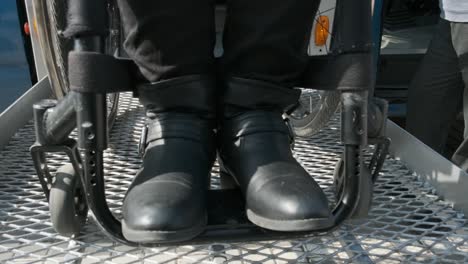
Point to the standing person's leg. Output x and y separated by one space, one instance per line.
436 92
265 46
460 43
172 44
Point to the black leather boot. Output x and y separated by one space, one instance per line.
166 200
280 195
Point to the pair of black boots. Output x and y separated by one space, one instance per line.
167 200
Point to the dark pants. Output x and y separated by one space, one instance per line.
264 40
440 89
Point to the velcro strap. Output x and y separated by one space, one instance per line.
254 122
179 126
260 94
196 92
92 72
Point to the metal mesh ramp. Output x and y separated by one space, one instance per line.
408 222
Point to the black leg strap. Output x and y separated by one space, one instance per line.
254 94
92 72
193 93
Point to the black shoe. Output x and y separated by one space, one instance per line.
166 200
280 195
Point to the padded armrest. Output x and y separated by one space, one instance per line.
94 72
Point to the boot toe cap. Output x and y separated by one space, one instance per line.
162 206
287 204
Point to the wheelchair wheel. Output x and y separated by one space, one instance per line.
51 21
315 109
67 205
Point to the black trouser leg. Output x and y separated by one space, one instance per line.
460 44
435 95
168 39
266 41
172 44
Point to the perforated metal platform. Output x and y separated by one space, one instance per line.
408 222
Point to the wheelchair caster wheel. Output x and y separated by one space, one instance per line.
314 111
338 179
68 208
365 196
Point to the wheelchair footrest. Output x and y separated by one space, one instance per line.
227 221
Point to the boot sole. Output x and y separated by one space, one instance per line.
310 224
160 236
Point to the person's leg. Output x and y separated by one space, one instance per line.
265 46
266 41
436 92
460 43
172 44
169 39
